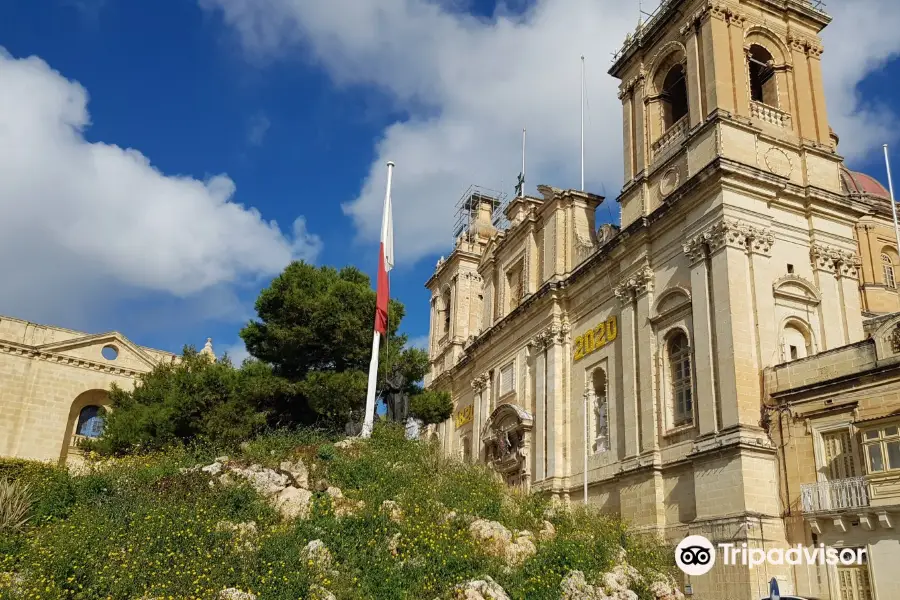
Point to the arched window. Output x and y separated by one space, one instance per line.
601 419
90 422
887 266
797 342
445 300
763 85
681 380
674 96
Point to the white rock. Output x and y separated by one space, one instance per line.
213 469
317 555
244 533
293 503
664 587
235 594
298 471
547 532
346 443
575 587
480 589
497 540
334 492
265 481
393 510
317 592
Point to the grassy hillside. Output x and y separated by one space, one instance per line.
293 516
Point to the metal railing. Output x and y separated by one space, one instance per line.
836 495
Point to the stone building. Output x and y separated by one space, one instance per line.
54 383
628 364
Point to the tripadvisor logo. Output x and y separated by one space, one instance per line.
696 555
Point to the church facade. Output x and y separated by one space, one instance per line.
54 385
628 366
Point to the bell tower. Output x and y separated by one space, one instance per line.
723 81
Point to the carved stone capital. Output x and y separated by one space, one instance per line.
729 233
629 86
841 263
635 286
480 383
806 45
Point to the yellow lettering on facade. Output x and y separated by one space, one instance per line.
596 338
465 415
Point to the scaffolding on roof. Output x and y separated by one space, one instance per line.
467 209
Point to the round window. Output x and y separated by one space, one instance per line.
110 352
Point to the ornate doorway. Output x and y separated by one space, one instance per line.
507 440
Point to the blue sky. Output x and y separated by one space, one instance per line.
246 112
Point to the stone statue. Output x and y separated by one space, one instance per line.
396 398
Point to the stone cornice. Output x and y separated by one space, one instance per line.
69 361
842 263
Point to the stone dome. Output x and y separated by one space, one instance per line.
856 183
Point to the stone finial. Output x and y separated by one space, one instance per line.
208 349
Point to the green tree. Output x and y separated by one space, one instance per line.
315 328
431 406
196 398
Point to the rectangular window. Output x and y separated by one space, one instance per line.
794 353
839 463
882 449
515 280
508 378
790 268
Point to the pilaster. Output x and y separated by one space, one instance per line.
703 341
629 291
837 277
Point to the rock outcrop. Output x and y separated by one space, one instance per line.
496 540
480 589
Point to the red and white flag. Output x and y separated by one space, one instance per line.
385 264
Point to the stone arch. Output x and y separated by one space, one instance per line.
797 339
672 299
887 339
445 301
678 377
798 289
505 438
761 36
668 55
92 397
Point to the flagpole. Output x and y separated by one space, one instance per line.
369 418
522 190
582 122
887 162
586 396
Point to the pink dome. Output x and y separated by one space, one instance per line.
860 183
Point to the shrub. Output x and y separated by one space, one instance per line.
15 504
431 407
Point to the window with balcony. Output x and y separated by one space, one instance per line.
763 86
882 448
674 97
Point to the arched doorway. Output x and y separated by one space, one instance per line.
85 422
506 440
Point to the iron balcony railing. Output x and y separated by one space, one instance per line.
836 495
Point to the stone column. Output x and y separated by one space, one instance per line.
737 368
826 263
706 401
630 366
692 72
648 417
556 408
540 407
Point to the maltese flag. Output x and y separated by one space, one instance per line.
385 262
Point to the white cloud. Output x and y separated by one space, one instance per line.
420 342
470 85
257 129
86 225
236 351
